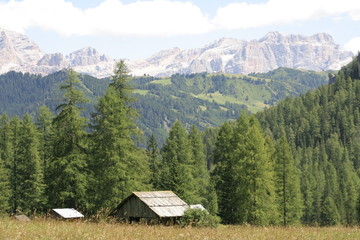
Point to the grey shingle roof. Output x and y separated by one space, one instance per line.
163 203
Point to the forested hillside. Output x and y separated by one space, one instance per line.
206 100
322 128
294 163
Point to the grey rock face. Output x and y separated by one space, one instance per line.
228 55
19 53
274 50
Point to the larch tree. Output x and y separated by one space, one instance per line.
287 180
177 166
118 166
245 175
154 155
13 163
200 172
5 190
44 120
223 175
254 179
29 171
67 169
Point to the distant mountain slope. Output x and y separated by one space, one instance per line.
317 52
206 100
19 53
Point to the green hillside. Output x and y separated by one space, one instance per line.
323 130
202 99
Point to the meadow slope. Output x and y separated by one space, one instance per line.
50 229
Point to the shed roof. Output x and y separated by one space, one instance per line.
68 213
162 203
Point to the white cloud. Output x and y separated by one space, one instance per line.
353 45
242 15
142 18
163 17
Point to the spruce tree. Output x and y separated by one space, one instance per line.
67 168
117 165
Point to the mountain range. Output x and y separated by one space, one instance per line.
227 55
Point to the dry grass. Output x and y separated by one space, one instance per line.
51 229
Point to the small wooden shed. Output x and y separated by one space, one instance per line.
156 206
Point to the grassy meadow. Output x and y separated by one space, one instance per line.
52 229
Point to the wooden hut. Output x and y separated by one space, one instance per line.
157 206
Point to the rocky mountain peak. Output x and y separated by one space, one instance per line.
273 37
229 55
17 51
323 38
86 56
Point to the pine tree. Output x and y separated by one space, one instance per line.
67 169
118 166
178 165
287 184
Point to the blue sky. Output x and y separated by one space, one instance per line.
133 29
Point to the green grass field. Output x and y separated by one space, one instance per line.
50 229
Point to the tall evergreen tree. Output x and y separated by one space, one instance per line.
44 120
67 169
178 165
118 166
154 155
200 172
13 163
223 175
255 178
246 175
4 188
287 180
29 172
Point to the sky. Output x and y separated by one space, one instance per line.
137 29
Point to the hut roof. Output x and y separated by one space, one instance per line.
67 213
162 203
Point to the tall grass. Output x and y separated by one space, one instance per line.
51 229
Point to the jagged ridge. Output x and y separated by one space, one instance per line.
228 55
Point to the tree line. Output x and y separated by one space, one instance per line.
296 163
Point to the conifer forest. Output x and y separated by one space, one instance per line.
295 163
